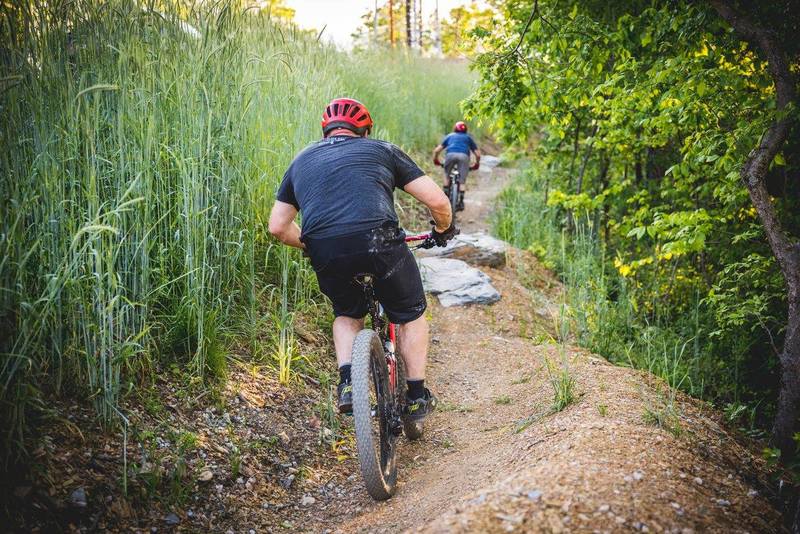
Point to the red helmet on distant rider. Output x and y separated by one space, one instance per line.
460 127
346 113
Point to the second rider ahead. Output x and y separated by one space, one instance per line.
458 144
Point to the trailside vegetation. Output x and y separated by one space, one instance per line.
140 149
665 184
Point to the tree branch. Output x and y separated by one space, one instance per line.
526 28
758 161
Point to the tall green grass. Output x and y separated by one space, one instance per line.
138 164
602 304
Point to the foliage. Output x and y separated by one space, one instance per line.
139 155
641 116
462 26
453 35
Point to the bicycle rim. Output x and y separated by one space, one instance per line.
372 407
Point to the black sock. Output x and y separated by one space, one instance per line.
344 373
416 389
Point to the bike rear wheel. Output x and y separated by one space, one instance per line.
373 405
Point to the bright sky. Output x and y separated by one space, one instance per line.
344 16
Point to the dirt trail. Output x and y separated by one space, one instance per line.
495 459
626 455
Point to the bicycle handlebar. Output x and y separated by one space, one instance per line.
417 237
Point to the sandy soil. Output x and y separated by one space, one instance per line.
497 458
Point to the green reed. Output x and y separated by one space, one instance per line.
138 163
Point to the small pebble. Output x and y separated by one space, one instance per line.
723 502
604 508
698 481
534 495
78 498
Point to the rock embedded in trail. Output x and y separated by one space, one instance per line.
476 249
488 163
455 283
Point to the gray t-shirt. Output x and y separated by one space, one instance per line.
345 185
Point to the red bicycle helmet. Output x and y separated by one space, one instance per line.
460 127
346 113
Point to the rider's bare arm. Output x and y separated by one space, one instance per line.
282 225
437 151
426 191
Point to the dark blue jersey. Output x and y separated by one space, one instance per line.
458 142
345 185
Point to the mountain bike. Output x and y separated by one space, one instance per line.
455 179
455 187
379 384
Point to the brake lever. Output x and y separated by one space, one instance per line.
426 244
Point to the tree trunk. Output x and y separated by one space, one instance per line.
409 27
785 248
585 163
375 25
419 24
391 22
437 29
575 147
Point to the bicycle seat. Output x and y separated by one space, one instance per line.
364 279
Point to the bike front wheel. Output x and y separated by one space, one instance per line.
373 403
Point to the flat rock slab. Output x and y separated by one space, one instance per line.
455 283
488 163
475 249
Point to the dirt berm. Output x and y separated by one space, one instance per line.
626 455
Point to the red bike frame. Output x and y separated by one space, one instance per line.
392 362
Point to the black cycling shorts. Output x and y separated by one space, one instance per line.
381 252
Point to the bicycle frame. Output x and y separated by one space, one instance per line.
387 331
386 406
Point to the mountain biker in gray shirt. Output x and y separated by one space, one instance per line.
344 187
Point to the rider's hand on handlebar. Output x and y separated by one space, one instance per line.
441 238
476 165
436 161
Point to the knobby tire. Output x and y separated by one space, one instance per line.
454 187
376 449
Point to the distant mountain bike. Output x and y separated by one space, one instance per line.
379 396
455 187
456 180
